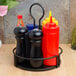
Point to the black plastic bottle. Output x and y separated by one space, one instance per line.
36 41
20 37
27 44
36 52
27 39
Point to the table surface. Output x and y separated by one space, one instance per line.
67 67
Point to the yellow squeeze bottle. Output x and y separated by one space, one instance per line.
43 23
53 19
56 22
50 14
47 19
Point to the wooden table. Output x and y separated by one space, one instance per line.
67 68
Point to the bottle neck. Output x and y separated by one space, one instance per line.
20 23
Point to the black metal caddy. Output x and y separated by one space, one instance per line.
21 62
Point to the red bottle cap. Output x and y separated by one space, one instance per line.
19 16
51 19
49 28
49 25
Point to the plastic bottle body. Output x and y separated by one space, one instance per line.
27 44
36 50
20 48
20 37
27 39
50 44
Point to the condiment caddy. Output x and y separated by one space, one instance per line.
37 45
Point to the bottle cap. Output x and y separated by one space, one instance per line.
19 16
19 31
50 14
43 23
53 19
47 19
56 22
36 34
49 28
31 26
49 25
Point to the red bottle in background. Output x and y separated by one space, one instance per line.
50 43
20 21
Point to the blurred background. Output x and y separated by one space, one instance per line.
63 10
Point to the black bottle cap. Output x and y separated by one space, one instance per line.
19 31
35 34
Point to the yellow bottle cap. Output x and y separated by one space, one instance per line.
56 22
43 23
53 19
47 19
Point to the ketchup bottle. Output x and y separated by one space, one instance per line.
50 42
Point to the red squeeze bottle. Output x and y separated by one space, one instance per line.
50 43
20 21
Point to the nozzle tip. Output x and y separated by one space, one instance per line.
50 14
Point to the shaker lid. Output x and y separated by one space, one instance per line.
35 34
20 30
31 26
